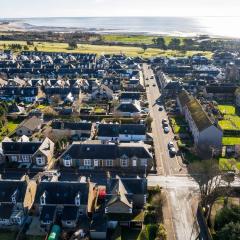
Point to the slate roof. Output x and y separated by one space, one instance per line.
31 123
48 213
62 192
72 125
22 148
221 89
130 95
105 151
199 116
8 188
128 107
6 210
70 213
184 97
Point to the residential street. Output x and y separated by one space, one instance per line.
181 191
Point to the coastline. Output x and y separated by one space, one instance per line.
21 26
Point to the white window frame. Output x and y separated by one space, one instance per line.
40 161
124 162
134 162
87 162
67 162
14 158
96 163
42 201
109 163
25 158
144 162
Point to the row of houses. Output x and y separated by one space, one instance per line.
85 204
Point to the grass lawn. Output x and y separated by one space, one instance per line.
231 140
179 124
230 122
227 109
135 39
7 235
228 164
8 128
41 106
100 49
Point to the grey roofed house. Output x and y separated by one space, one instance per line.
71 125
113 130
130 95
62 192
128 107
105 151
8 188
31 124
23 148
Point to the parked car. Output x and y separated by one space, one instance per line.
154 85
172 151
166 129
164 121
160 108
170 145
165 124
152 77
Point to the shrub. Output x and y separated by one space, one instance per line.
151 231
150 217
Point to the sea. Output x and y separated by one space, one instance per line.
228 27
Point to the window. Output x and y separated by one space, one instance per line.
14 158
68 222
143 162
95 163
67 162
134 162
87 162
25 158
42 200
40 161
124 162
13 199
109 163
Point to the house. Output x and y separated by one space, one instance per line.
125 199
128 109
79 130
29 126
69 200
220 92
122 132
205 132
129 96
38 153
103 92
16 200
97 155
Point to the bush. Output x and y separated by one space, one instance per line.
150 217
151 231
227 215
161 233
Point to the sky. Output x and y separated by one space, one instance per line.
85 8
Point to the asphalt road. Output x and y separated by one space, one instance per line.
181 191
166 165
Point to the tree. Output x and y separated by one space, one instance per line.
229 232
26 48
188 43
160 42
161 233
148 122
144 47
72 45
35 49
174 43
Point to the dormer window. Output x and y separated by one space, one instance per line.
14 196
67 161
78 200
43 199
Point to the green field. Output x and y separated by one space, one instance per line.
228 164
101 49
231 140
135 39
230 122
179 124
227 109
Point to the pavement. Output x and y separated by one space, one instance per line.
180 190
